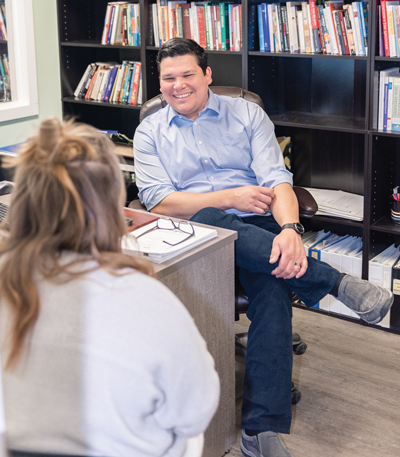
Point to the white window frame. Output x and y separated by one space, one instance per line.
22 61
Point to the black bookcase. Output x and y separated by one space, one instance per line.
323 102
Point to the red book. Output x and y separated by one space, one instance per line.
344 33
186 20
135 84
202 26
385 24
139 218
315 36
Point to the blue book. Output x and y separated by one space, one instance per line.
131 83
264 12
111 25
260 28
385 106
110 83
127 84
364 32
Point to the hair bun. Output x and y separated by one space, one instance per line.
49 134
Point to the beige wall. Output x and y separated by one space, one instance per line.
48 74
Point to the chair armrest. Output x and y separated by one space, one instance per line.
307 205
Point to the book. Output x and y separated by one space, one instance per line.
394 71
300 23
330 7
357 25
385 29
343 29
396 105
135 84
292 8
338 31
306 27
285 25
315 27
391 31
139 218
106 24
349 30
82 81
251 28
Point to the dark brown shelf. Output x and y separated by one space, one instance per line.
104 104
319 121
385 224
95 44
304 55
382 133
338 221
387 59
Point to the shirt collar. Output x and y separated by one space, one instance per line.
212 104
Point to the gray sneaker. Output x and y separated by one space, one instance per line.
265 444
369 301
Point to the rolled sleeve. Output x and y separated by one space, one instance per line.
268 163
152 179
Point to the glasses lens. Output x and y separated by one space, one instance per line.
186 227
166 224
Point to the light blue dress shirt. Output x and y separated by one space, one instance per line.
231 144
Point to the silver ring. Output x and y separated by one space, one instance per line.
297 264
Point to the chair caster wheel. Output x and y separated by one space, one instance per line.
299 346
296 395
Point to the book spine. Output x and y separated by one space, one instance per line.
315 27
202 26
293 30
223 27
186 21
349 30
127 81
86 86
385 28
135 84
396 105
344 33
285 22
301 31
106 24
111 25
280 27
306 27
364 24
362 41
385 106
338 31
390 104
260 28
321 31
110 83
82 80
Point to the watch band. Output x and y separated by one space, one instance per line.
296 226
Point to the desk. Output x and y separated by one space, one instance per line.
203 279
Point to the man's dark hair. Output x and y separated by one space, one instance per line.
181 47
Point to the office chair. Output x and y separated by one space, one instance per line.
307 208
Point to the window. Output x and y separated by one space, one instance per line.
20 98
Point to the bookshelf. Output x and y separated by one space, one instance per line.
324 102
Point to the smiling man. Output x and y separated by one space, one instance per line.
215 160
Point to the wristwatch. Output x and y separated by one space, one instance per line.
296 226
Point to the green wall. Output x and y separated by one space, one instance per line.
48 75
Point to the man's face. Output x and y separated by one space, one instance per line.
184 85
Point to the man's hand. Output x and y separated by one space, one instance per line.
252 199
289 246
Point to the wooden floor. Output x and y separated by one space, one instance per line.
349 379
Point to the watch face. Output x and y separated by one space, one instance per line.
299 228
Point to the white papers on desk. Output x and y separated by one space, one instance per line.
337 203
152 244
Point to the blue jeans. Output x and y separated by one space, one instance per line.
268 379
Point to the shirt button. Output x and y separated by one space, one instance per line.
212 177
206 161
200 142
195 123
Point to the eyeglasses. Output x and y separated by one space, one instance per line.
164 223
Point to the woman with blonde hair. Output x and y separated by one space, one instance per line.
99 357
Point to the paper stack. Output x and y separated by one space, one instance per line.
337 203
153 244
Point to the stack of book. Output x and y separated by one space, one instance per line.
329 27
121 24
388 94
3 25
112 83
389 28
214 26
